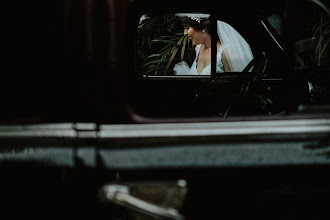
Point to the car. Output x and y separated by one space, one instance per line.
89 128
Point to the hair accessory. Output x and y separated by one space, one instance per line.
194 16
198 19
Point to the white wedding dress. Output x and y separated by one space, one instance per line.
237 51
183 68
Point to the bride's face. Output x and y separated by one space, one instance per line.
196 36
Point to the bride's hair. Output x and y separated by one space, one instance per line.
237 50
197 24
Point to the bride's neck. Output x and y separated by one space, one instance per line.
207 45
207 42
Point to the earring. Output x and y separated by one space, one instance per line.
203 31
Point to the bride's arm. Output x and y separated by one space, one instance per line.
225 62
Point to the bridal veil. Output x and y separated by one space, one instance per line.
238 51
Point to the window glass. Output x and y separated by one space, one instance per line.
274 62
161 44
308 31
180 44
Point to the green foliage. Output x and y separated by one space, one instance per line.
161 44
323 33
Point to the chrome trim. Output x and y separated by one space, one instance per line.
55 130
278 44
62 130
120 194
178 77
126 132
213 129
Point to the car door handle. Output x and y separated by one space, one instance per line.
121 195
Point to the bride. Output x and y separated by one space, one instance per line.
233 52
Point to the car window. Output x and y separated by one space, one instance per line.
285 71
180 44
161 43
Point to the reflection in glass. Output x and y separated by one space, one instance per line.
233 52
165 48
162 43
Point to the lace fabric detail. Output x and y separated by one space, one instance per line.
182 68
237 51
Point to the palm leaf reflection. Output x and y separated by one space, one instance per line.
161 44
